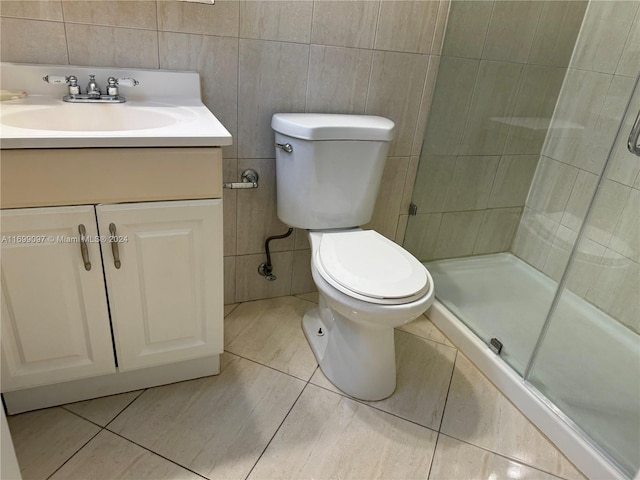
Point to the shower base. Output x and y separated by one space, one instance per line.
503 297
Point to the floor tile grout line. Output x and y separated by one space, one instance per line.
76 452
80 416
156 453
127 406
446 399
433 457
272 368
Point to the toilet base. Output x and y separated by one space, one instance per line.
359 360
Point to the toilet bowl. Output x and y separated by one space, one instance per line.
328 172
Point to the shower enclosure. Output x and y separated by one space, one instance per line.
528 203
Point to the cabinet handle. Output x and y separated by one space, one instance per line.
114 245
84 250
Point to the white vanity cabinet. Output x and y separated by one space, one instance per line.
148 310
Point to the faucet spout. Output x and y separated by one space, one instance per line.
92 88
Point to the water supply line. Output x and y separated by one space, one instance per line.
265 269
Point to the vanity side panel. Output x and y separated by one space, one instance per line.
42 177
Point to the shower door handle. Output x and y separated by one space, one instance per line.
632 144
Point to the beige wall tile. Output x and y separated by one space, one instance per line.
286 21
457 234
387 209
551 188
441 26
112 47
422 235
513 180
395 90
579 200
559 254
603 35
338 79
403 220
494 98
497 230
450 105
301 280
117 13
272 79
511 30
455 459
219 86
624 165
229 280
301 241
32 41
104 409
221 18
537 97
340 428
557 31
407 26
629 63
257 211
224 426
471 183
269 332
606 211
250 285
585 268
433 180
425 104
124 460
467 28
45 439
626 236
478 413
33 9
534 238
345 23
407 194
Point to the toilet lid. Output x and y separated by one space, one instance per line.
369 264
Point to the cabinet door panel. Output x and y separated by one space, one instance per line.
166 297
55 321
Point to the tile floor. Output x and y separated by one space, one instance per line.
271 414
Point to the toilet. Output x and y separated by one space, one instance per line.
328 172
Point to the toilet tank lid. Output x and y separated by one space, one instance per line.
330 126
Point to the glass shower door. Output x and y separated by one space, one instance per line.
587 362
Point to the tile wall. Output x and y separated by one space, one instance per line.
597 88
257 58
501 70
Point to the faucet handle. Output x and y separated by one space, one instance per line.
127 82
56 79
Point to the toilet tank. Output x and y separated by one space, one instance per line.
331 175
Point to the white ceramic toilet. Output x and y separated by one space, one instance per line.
328 170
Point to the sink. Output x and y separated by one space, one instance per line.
100 118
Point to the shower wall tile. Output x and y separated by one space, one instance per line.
345 23
433 179
626 236
458 233
32 41
401 231
559 253
395 90
512 180
471 183
534 238
34 10
250 285
338 79
450 105
511 31
585 268
425 104
205 54
229 280
537 96
257 211
221 18
407 26
301 280
579 200
497 230
422 235
557 31
269 81
112 47
604 33
441 26
629 63
467 28
625 165
116 13
286 21
412 171
551 188
606 212
494 97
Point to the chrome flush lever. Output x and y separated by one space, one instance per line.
285 147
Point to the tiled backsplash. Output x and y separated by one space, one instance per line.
257 58
501 70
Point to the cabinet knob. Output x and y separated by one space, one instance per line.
114 245
84 250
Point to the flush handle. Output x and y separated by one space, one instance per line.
285 146
113 239
84 250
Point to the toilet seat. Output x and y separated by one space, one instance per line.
365 265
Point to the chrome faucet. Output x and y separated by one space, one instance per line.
93 93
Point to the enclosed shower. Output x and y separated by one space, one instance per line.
527 203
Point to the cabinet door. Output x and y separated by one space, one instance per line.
166 296
55 321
